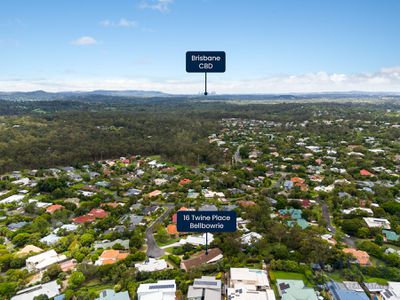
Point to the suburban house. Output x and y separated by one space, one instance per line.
249 284
162 290
68 265
172 230
205 288
339 291
28 249
53 208
154 193
361 257
107 244
295 289
111 256
112 295
198 240
43 260
250 238
367 173
377 222
152 265
355 209
214 255
50 239
95 213
50 289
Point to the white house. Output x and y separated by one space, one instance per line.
13 198
250 238
249 284
152 265
43 260
377 222
353 209
50 289
198 240
162 290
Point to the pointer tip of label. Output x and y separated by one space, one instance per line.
205 93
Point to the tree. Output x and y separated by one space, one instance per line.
21 239
86 239
75 280
277 231
379 239
162 235
53 271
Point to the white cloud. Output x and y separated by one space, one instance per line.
160 5
121 23
84 41
385 80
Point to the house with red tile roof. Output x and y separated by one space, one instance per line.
297 180
171 229
98 213
95 213
83 219
110 257
53 208
185 181
361 257
364 172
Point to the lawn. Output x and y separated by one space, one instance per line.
336 276
170 241
290 275
95 286
377 280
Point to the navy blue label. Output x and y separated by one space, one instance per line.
205 61
206 221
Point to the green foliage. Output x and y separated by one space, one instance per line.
391 207
7 289
75 280
21 239
53 271
86 239
175 259
48 185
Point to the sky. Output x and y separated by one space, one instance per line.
272 46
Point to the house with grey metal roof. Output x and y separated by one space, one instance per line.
112 295
205 288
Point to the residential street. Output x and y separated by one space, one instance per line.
152 248
325 212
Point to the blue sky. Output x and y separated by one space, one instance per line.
271 45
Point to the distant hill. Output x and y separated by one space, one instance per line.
46 96
126 94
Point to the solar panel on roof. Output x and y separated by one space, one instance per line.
388 294
161 286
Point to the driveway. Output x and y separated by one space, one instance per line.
152 248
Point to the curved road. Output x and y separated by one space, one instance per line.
152 248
